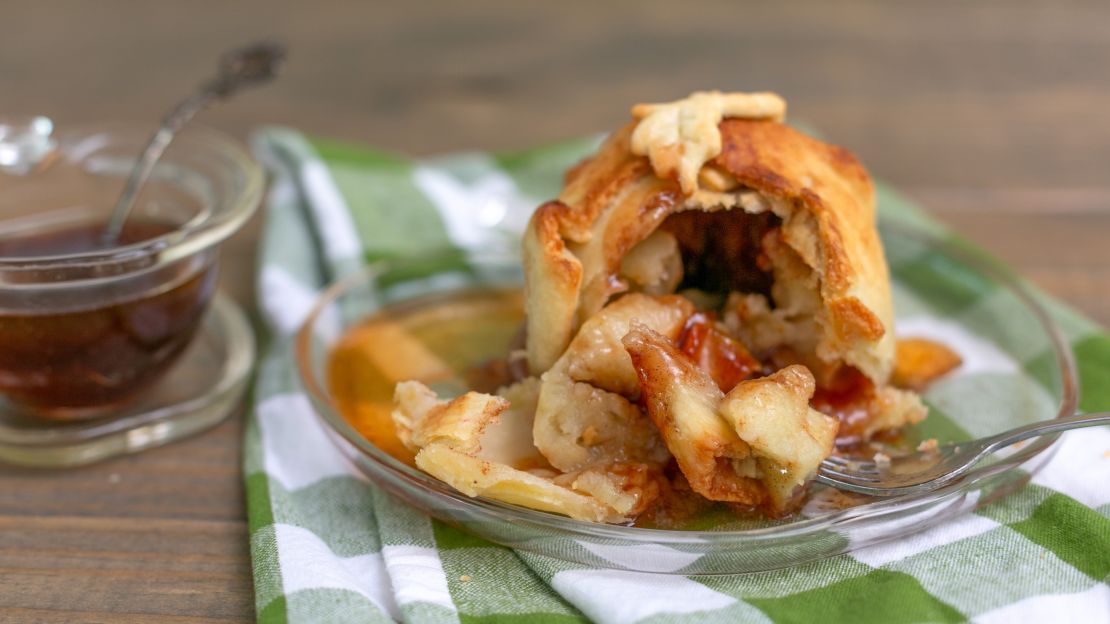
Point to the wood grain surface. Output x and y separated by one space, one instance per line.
993 114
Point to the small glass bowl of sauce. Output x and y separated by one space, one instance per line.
86 327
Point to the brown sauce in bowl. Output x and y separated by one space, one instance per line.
84 360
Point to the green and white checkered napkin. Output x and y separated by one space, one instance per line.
329 547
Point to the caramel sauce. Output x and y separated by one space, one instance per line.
83 361
677 505
720 356
453 342
851 397
848 398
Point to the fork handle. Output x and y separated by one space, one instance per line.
1075 421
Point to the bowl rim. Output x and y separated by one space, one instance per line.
79 141
328 414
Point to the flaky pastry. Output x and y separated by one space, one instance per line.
448 439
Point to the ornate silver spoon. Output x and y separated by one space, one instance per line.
248 66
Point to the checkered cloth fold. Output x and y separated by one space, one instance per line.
327 546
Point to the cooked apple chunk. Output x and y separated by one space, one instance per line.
585 413
509 440
596 355
787 436
653 266
578 425
758 444
682 401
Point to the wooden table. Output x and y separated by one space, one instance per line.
993 115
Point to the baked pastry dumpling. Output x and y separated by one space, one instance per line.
765 177
772 235
714 195
708 309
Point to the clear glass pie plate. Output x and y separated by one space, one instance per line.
1017 369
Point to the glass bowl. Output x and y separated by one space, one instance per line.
85 330
200 390
937 291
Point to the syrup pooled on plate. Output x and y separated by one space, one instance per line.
445 341
83 358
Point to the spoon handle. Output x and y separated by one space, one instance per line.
174 121
251 65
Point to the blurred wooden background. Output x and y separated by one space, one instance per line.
993 114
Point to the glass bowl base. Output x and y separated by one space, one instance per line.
201 390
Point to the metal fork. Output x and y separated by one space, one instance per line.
931 469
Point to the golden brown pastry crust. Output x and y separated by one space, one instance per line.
680 137
447 438
614 200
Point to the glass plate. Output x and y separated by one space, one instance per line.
941 290
201 389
